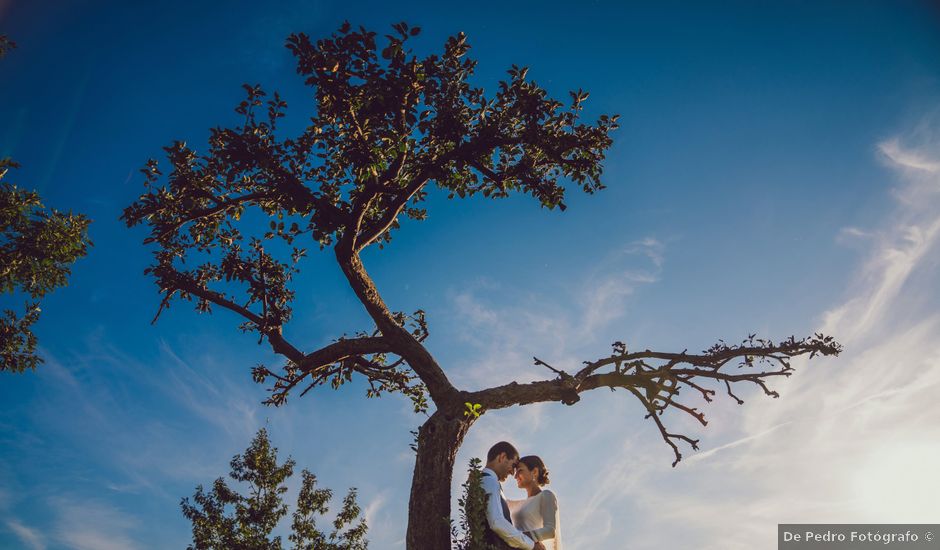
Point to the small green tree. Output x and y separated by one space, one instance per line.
224 519
471 534
37 248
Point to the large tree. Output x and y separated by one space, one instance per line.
387 129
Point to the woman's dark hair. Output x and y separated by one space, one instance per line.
531 462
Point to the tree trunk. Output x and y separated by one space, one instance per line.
429 509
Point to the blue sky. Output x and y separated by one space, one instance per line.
777 170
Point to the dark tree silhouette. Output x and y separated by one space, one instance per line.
37 248
223 519
5 45
389 127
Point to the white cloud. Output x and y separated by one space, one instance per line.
903 157
93 525
31 538
604 296
850 235
649 247
603 300
384 522
371 509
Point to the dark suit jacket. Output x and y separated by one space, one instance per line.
491 537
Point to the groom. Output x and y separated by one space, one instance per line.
500 462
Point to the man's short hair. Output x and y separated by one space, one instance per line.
502 447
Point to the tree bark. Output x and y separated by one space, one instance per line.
429 508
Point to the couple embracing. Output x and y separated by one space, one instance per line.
531 523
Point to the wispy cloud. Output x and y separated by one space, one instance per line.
93 525
509 326
373 507
604 296
852 235
140 445
110 444
31 538
208 393
909 158
650 247
384 522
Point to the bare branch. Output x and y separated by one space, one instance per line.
657 386
731 394
539 362
667 437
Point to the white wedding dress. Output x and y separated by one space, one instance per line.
538 516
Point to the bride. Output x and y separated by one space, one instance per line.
537 515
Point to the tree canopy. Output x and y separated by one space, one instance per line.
386 126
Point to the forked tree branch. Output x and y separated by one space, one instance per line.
374 231
400 341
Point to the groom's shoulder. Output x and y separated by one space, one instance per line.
488 478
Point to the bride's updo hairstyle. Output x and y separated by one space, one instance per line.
531 462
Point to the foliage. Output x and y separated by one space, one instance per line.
223 519
472 530
37 248
473 409
387 124
5 45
